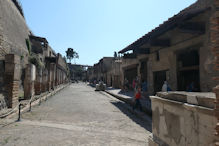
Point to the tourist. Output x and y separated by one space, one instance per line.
166 87
137 98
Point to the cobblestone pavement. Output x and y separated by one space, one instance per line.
77 115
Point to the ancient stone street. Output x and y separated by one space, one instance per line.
77 115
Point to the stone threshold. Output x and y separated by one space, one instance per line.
128 101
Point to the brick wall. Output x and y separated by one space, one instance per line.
13 31
215 49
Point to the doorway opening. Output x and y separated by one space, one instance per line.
188 70
143 71
130 74
159 78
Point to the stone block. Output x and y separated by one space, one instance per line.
188 124
176 96
13 69
12 58
192 99
205 102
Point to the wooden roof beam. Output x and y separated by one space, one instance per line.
192 27
160 42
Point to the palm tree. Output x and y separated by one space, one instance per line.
71 54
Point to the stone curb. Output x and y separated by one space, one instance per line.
128 101
37 102
138 114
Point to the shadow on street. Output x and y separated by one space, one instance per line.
146 124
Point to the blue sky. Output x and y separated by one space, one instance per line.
96 28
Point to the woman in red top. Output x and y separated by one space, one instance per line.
137 100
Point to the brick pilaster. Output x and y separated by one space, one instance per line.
214 37
12 78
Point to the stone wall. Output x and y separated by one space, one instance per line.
181 118
13 31
214 39
2 70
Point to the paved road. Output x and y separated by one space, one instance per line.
77 116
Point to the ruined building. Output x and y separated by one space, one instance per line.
28 65
178 51
100 69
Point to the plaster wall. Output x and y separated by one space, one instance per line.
177 123
183 41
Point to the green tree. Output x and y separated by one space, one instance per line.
115 54
75 56
71 54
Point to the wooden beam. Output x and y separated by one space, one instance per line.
192 27
142 51
189 68
160 42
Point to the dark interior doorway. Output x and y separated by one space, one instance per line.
188 70
143 70
159 78
131 74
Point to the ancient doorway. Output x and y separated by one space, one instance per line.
159 78
143 70
130 74
188 70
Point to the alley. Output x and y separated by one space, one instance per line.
77 116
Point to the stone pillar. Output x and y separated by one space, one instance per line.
12 78
30 77
53 74
44 81
56 80
49 78
38 82
60 77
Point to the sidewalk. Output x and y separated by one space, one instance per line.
37 99
127 97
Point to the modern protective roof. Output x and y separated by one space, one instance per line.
189 12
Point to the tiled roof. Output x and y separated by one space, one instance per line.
187 13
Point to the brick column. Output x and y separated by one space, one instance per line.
38 82
214 37
12 78
30 76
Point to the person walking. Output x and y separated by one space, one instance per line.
137 98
